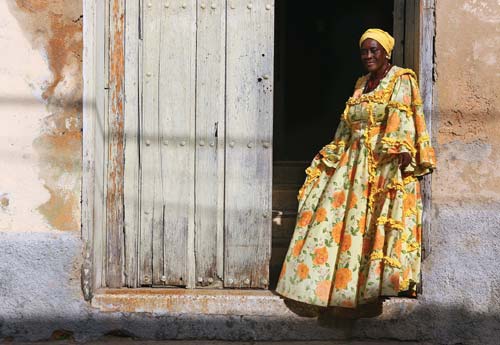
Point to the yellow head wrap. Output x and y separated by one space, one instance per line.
382 37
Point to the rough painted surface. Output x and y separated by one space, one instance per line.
468 118
47 35
22 109
40 297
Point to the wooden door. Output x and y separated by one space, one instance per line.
197 144
249 115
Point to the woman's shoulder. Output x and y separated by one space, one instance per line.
401 72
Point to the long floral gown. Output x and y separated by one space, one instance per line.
358 230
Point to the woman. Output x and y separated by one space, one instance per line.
358 229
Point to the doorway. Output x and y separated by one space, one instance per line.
316 66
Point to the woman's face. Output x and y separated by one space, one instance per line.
373 55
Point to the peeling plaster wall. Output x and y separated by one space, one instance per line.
40 148
462 268
468 106
41 88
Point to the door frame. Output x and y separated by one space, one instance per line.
414 33
415 46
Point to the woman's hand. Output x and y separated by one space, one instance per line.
404 160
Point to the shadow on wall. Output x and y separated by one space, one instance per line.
446 325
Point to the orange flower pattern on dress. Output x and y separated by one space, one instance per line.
343 278
297 248
346 243
378 244
283 271
362 224
345 249
337 231
392 123
320 256
409 202
347 304
395 281
353 201
418 234
419 124
427 155
305 218
321 214
397 248
323 290
338 199
302 271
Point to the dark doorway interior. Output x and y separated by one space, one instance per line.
317 63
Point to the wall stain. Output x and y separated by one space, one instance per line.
55 28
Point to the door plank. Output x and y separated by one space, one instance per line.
131 183
210 128
101 72
249 118
151 216
426 69
114 197
177 68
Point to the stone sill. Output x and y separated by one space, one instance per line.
233 302
183 301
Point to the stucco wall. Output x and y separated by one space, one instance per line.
40 147
468 71
466 188
41 88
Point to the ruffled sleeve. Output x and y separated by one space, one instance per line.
330 154
405 130
326 161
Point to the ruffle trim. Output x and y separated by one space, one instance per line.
391 143
312 174
331 153
423 139
393 185
378 255
401 107
393 224
384 95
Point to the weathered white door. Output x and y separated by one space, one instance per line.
250 40
197 143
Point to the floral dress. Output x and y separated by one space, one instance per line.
358 229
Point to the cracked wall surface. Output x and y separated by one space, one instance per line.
40 191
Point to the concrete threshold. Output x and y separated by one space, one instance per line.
236 303
183 301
